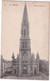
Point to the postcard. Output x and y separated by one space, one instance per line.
25 40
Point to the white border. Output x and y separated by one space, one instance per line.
28 0
0 36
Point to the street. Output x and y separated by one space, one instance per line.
37 77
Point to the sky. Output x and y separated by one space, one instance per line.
38 17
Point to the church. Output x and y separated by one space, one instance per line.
25 64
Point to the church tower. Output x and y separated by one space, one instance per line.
25 49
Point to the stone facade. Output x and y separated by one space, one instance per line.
6 66
25 64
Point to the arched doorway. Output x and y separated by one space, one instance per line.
24 70
15 71
35 71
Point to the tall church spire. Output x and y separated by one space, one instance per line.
25 24
25 50
25 16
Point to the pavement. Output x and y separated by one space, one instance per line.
37 77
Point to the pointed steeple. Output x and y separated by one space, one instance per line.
1 57
25 49
25 24
25 16
13 57
37 57
33 56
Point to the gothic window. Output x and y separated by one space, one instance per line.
24 33
24 55
24 44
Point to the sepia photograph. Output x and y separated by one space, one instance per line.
25 40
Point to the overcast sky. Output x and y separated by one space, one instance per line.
38 17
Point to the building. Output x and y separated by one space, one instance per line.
6 66
44 66
25 64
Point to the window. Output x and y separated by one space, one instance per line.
24 32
